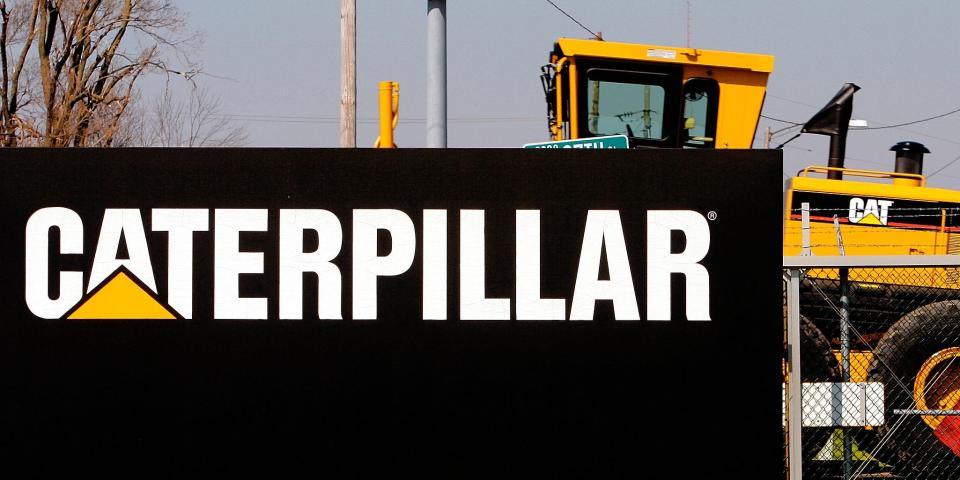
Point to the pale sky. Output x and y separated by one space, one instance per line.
281 63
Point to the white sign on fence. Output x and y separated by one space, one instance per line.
843 404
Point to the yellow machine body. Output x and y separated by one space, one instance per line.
681 97
899 215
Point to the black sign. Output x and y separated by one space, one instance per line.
474 313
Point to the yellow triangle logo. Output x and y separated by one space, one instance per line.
869 219
121 297
833 450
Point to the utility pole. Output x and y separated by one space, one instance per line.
436 74
348 73
768 135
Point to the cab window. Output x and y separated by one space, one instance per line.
700 98
639 104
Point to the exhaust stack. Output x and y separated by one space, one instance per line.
834 120
909 160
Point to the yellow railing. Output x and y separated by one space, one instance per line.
912 178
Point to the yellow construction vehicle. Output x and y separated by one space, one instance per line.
657 96
667 97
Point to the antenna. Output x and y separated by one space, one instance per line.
689 14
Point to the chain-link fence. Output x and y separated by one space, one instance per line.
880 371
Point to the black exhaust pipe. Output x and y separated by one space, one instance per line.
834 120
909 157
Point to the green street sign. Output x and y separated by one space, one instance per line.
613 141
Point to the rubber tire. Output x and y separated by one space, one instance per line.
913 449
817 362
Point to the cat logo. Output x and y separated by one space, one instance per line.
121 296
870 211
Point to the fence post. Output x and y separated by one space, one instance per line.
805 229
845 361
794 392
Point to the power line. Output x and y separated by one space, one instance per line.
913 122
898 126
951 162
785 99
781 121
947 140
574 20
306 119
797 102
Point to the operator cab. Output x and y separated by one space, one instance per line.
659 97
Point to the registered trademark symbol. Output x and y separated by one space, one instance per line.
711 215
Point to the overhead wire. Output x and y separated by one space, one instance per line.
951 162
598 37
914 122
882 127
789 100
781 121
334 120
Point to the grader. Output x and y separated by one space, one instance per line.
690 98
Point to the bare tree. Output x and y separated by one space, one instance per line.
194 121
89 55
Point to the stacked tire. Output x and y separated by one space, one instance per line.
907 350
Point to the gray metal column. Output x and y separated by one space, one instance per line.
794 386
436 74
845 363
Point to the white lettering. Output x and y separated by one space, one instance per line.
124 222
180 224
872 208
856 210
884 210
37 258
229 262
434 264
294 262
473 302
604 230
367 265
529 304
661 263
